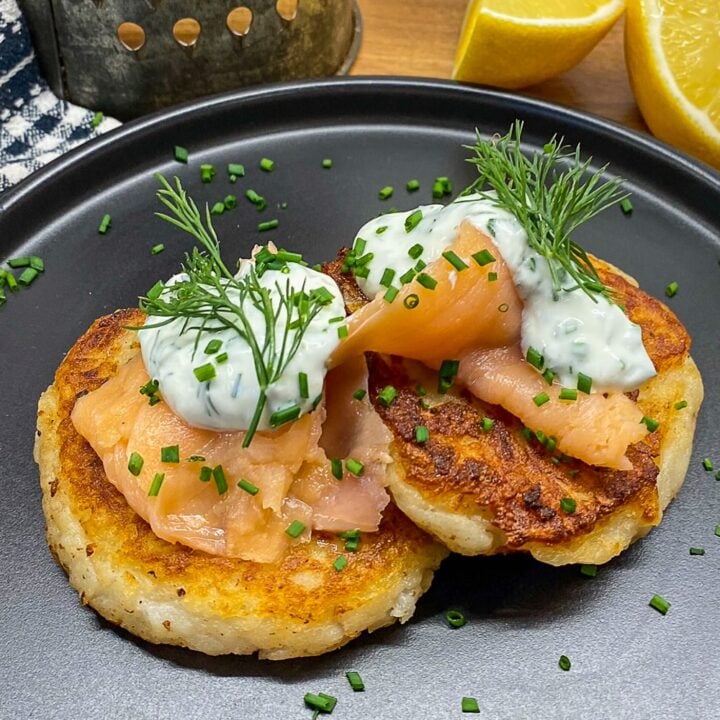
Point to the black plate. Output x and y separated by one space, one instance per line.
628 661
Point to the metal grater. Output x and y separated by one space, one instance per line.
130 57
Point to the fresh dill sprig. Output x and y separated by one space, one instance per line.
551 194
208 298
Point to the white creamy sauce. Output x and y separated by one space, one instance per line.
574 332
227 401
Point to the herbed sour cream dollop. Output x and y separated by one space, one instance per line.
575 333
228 399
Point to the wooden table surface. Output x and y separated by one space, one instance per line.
418 38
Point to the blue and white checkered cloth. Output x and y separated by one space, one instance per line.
35 126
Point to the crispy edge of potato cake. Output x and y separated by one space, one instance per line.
167 593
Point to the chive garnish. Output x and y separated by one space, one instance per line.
170 454
390 294
626 206
303 385
568 505
230 202
549 376
220 480
205 473
416 251
27 276
135 463
387 395
156 484
286 415
221 358
359 394
550 444
426 281
717 530
588 570
268 225
381 229
535 358
408 276
235 170
568 394
412 221
412 185
438 190
469 705
707 463
196 458
411 301
385 192
19 262
248 487
697 551
457 262
342 331
650 424
155 291
484 257
584 383
487 424
340 563
354 466
267 164
671 289
492 276
541 399
446 374
564 663
255 199
204 373
422 434
37 263
213 346
387 277
327 163
207 172
660 604
218 208
356 682
105 224
295 529
336 468
680 405
96 119
157 249
454 618
180 154
320 702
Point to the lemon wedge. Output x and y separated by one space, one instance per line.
672 48
515 43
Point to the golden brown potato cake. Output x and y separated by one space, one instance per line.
486 492
172 594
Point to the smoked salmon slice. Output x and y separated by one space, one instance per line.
289 468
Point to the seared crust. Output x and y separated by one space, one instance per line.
483 492
169 593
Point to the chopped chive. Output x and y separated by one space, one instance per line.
381 229
492 276
269 225
356 682
660 604
551 444
221 358
135 463
549 376
588 570
671 289
342 331
422 434
218 208
707 463
454 618
336 468
412 185
359 394
320 702
364 259
446 184
469 705
387 277
267 164
96 119
427 281
354 466
230 202
105 224
155 291
321 295
458 263
697 551
213 346
359 246
205 473
568 505
196 458
352 544
568 394
387 395
446 374
37 263
408 276
19 262
584 383
564 663
717 530
181 154
340 563
438 190
390 294
487 424
541 399
154 400
156 484
207 172
248 487
385 192
411 301
220 480
363 271
286 415
412 220
420 265
150 387
327 163
170 454
303 385
535 358
295 529
484 257
680 405
541 437
626 206
204 373
235 170
416 251
650 424
27 276
157 249
255 199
